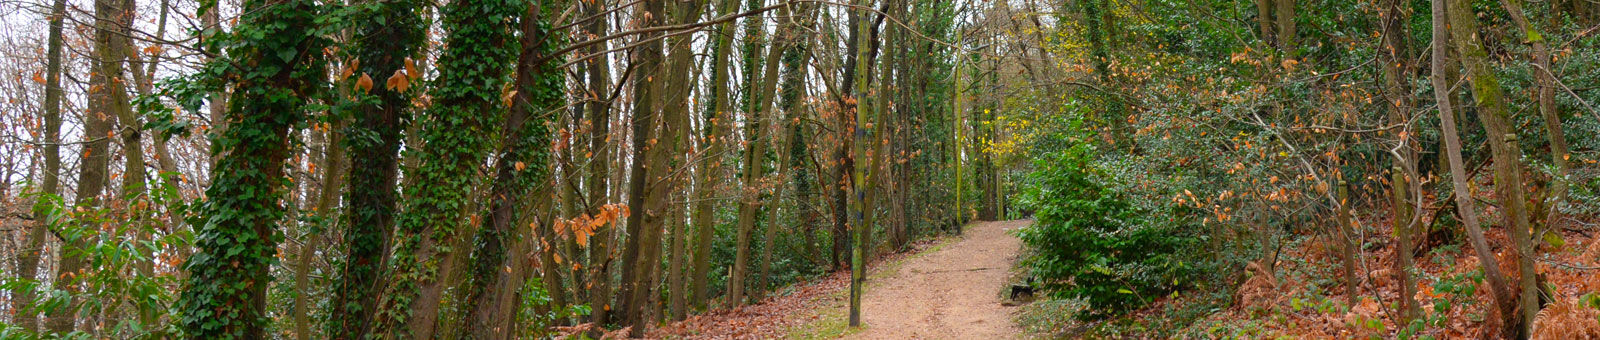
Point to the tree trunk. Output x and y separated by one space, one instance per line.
775 130
1559 151
758 94
333 167
1495 118
1397 69
1503 298
115 60
676 286
229 275
717 128
599 118
369 217
94 169
465 102
1264 9
958 123
648 167
28 256
861 137
676 101
1349 244
1286 29
522 166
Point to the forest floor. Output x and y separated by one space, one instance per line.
945 288
952 293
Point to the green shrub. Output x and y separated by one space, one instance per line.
1092 241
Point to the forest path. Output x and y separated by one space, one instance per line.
953 292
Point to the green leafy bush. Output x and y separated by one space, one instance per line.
1092 240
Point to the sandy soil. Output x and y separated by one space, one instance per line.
952 293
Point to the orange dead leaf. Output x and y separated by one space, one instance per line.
507 96
397 82
411 69
365 83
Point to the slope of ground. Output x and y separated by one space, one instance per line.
943 289
952 293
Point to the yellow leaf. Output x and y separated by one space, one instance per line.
519 166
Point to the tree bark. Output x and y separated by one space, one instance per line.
860 223
501 268
28 256
648 167
599 119
1504 300
94 168
1349 244
676 101
1492 113
1397 69
1264 9
378 119
1286 27
710 171
1560 152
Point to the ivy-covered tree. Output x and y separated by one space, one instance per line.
499 269
386 45
274 63
468 99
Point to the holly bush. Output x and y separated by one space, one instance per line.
1093 240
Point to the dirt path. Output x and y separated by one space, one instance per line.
952 293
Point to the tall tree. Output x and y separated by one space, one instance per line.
107 99
28 256
781 131
1397 70
676 100
716 129
861 137
332 162
521 166
467 99
1560 152
757 88
1504 301
1496 120
273 62
647 171
389 37
599 117
844 161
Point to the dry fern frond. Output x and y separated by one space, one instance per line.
1567 319
1592 255
1260 292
